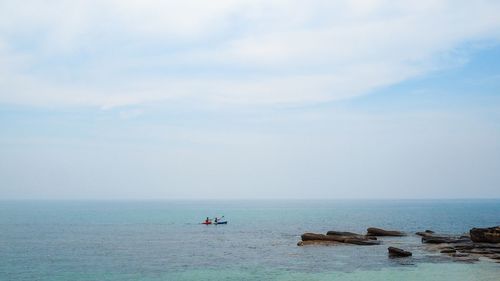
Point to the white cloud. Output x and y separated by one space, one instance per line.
114 53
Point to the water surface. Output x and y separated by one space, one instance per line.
163 240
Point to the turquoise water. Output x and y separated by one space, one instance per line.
163 240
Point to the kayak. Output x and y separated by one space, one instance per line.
221 222
206 222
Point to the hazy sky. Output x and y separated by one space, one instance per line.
117 99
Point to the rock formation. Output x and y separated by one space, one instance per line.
425 233
396 252
448 251
350 234
488 235
444 239
373 231
342 233
482 242
339 238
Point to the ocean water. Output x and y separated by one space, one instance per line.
164 240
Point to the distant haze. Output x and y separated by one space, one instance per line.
249 99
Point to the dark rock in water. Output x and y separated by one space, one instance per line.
356 241
441 240
488 235
435 240
373 231
448 251
342 233
338 238
425 234
396 252
350 234
315 236
317 242
462 249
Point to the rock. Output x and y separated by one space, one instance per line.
424 234
350 234
448 251
338 238
356 241
342 233
459 255
442 239
396 252
373 231
319 237
488 235
317 242
464 245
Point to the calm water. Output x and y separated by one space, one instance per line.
163 240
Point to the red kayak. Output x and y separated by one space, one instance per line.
207 222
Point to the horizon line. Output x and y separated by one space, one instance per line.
249 199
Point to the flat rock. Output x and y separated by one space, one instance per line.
319 237
373 231
338 238
443 239
464 245
424 234
350 234
448 251
342 233
396 252
317 242
356 241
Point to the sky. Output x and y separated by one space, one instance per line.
364 99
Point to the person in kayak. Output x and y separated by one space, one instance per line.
218 220
207 221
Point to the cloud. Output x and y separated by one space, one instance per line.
116 53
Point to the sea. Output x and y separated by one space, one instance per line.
165 240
